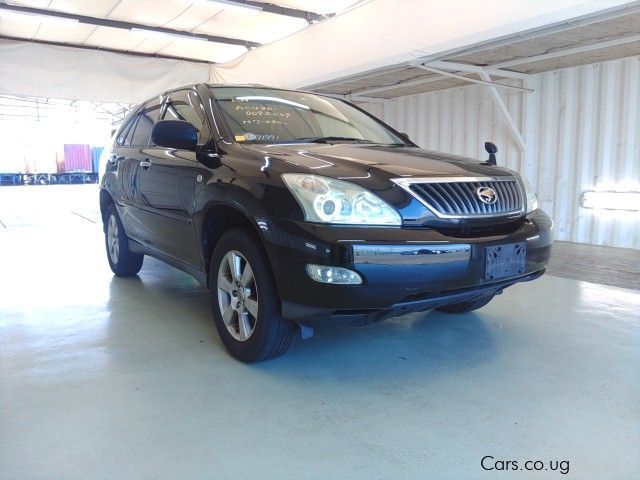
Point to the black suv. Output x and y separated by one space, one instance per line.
299 210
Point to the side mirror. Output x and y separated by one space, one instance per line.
491 150
176 134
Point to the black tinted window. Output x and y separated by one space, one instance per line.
186 105
126 131
129 134
147 118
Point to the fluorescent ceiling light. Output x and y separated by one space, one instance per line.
230 4
629 201
167 34
37 16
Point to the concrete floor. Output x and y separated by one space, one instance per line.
113 378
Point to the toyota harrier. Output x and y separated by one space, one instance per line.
299 210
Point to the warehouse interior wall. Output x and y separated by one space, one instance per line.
582 131
31 69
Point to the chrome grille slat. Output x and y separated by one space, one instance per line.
457 197
502 193
450 198
470 192
468 206
509 189
510 192
441 198
505 192
517 194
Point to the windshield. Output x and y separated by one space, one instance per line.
265 115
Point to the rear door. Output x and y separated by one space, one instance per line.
126 166
168 180
134 139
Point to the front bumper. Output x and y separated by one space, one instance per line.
403 270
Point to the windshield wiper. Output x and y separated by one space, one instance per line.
332 139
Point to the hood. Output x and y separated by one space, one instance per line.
371 165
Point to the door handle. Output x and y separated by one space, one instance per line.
145 164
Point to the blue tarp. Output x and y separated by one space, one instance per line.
96 152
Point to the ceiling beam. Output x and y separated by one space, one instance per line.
356 98
310 17
358 76
466 68
103 49
457 67
473 80
106 22
409 83
513 126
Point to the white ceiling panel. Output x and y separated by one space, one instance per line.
92 8
72 33
33 3
214 52
205 17
18 26
163 45
261 27
126 40
149 12
198 13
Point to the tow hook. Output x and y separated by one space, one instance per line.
305 331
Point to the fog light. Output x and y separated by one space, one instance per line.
335 275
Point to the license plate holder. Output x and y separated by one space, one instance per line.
503 261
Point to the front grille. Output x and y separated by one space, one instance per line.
454 198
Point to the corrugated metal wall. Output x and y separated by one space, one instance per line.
582 129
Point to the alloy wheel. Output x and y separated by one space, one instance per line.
237 295
113 243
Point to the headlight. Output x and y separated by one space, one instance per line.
326 200
530 196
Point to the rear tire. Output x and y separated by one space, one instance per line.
464 307
245 305
123 262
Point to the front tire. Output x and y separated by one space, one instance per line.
464 307
246 308
123 262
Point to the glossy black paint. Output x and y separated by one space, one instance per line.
491 150
166 197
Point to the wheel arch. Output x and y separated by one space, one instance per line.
105 200
220 217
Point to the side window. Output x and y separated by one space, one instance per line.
147 118
186 105
132 127
126 129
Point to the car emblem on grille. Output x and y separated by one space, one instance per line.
487 195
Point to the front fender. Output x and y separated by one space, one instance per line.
241 201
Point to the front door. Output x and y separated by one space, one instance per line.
168 179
